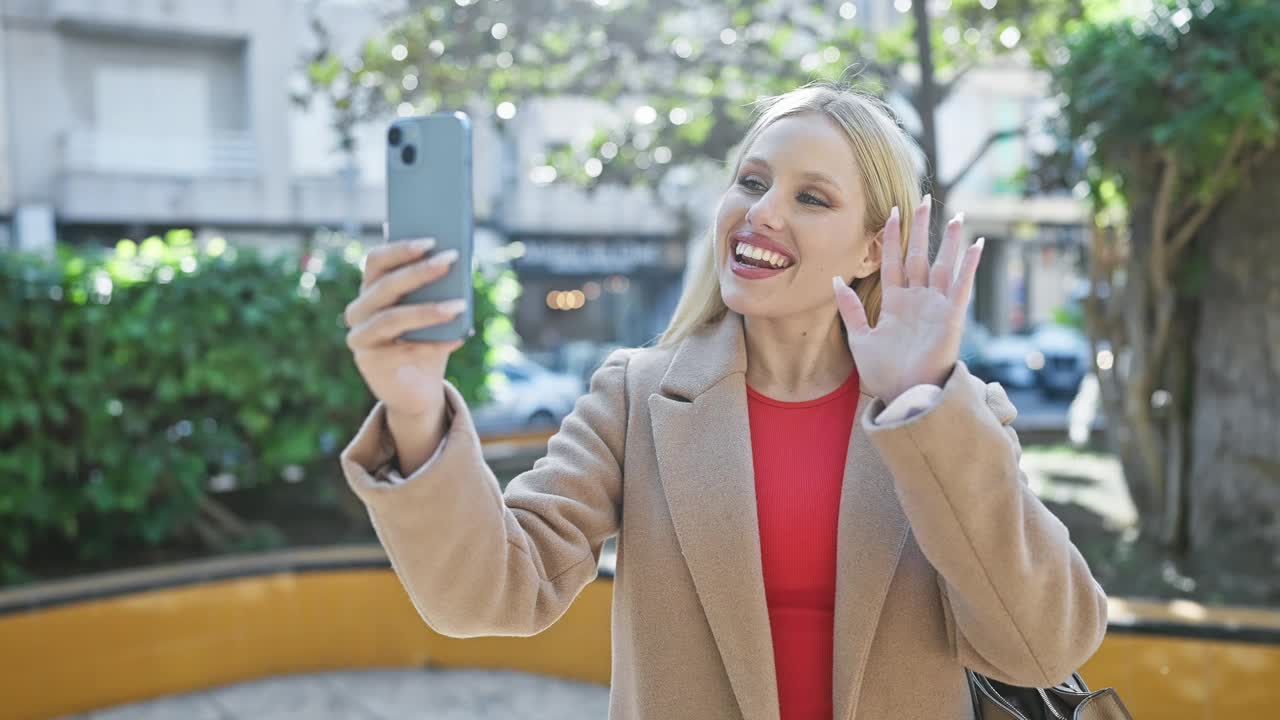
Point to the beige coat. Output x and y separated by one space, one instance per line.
946 559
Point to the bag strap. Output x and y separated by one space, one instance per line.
1063 701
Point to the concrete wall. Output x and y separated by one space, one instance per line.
37 104
218 66
6 172
559 206
988 100
200 126
70 50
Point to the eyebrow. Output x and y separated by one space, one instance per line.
808 174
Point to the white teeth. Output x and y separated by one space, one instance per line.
751 251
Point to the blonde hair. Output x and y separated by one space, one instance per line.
886 157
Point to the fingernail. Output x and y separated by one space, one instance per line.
959 218
424 244
925 201
979 243
837 283
453 306
444 258
893 214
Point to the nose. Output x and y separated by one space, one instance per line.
765 212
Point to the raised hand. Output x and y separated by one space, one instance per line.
922 309
407 376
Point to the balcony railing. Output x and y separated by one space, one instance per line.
212 154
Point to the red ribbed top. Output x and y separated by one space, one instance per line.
798 450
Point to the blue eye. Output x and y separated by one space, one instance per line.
749 182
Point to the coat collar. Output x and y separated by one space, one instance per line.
711 354
703 443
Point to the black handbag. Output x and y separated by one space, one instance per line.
1068 700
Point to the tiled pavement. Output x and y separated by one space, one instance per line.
380 695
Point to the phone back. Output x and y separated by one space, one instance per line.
429 195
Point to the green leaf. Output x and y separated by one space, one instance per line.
325 71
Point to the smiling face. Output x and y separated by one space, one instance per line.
798 192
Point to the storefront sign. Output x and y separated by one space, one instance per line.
586 257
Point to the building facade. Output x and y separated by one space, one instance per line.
127 116
120 118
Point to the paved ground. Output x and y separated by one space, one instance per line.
1092 481
381 695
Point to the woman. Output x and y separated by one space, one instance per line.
819 510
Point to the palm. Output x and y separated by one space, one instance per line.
922 311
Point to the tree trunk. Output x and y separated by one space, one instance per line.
1235 471
1147 394
1132 433
926 100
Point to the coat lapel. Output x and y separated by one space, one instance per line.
702 438
872 531
703 443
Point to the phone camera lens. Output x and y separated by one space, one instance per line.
393 136
408 154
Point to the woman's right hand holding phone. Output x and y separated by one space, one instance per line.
406 375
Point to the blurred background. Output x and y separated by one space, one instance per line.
187 189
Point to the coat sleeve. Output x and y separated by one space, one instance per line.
1020 602
479 562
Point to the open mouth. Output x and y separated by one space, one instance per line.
755 257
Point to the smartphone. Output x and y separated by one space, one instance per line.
429 195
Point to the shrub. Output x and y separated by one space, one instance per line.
137 380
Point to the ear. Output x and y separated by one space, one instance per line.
872 253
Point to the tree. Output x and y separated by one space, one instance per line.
696 67
1179 109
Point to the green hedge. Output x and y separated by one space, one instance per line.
137 381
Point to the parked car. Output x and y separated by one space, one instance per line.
527 396
997 358
582 357
1061 359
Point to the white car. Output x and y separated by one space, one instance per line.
527 396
